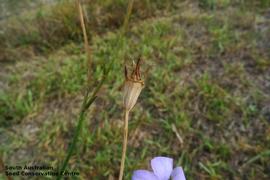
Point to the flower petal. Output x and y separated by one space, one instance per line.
143 175
162 167
178 174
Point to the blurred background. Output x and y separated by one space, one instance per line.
206 101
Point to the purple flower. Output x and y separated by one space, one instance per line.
162 170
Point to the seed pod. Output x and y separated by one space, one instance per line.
132 87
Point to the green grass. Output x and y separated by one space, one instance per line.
46 29
15 107
208 78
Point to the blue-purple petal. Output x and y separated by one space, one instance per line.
178 174
143 175
162 167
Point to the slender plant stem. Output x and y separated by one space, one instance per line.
87 101
85 37
85 105
124 149
73 143
129 10
77 133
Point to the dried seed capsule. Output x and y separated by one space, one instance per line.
132 87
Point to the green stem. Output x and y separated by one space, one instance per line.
76 135
85 105
87 101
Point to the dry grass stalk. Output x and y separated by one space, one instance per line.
85 37
180 139
129 10
132 89
87 101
